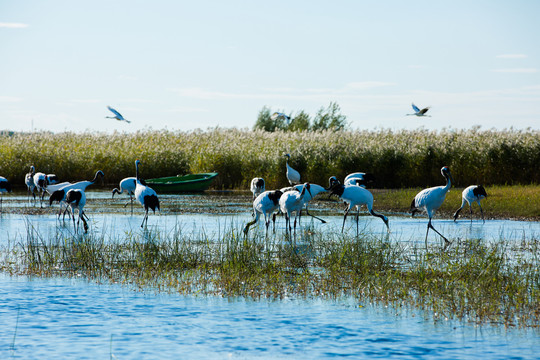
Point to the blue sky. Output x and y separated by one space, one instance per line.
183 65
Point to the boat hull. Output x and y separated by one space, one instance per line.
182 183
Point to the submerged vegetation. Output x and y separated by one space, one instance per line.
472 281
402 159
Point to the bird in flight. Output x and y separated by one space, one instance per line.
419 112
117 115
278 115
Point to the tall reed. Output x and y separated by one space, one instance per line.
406 158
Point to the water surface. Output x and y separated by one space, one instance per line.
70 318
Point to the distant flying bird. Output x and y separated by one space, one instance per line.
473 193
431 199
278 115
418 112
292 175
116 116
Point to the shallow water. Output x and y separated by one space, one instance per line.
15 227
72 318
46 318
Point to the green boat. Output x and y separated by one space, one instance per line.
182 183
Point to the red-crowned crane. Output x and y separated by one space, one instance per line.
145 195
314 190
59 191
354 196
40 181
52 179
429 200
473 193
128 185
418 112
359 179
76 199
266 203
257 187
5 187
116 116
29 181
293 201
292 175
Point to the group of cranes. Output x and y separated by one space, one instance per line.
289 200
72 196
293 199
354 193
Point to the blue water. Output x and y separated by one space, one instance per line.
59 318
73 318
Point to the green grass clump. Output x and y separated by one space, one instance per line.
401 159
472 280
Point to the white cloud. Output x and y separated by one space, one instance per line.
13 25
517 70
511 56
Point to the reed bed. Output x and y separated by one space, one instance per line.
473 280
399 159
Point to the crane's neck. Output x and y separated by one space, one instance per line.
98 173
137 172
448 183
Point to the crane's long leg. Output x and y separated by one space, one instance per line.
145 218
246 228
85 224
470 211
76 229
345 217
482 212
456 214
313 216
287 222
441 235
357 216
427 232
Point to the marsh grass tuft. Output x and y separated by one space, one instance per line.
473 280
